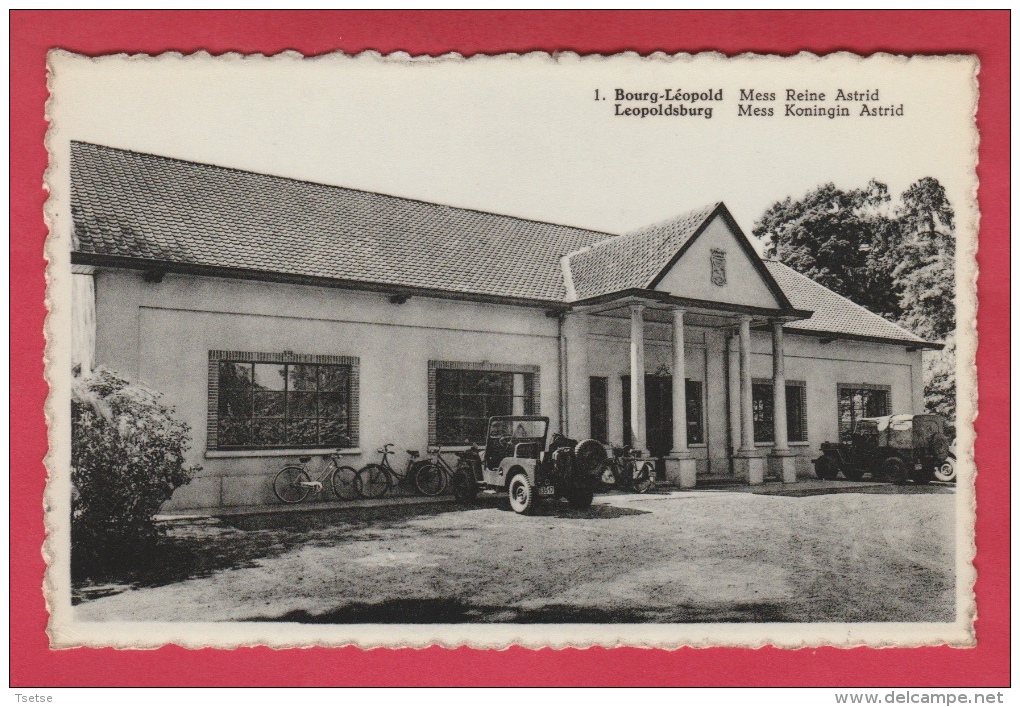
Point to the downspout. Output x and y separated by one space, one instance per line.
563 372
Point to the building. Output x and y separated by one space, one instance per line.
282 317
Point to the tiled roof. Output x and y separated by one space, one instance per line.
143 206
140 206
833 313
632 260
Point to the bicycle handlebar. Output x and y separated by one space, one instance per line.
385 449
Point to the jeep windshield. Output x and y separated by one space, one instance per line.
518 428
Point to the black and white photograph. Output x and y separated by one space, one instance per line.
534 349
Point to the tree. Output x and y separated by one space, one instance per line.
897 260
841 239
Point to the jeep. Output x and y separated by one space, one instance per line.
516 462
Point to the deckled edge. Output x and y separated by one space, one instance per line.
57 543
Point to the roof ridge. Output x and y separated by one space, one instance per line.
337 186
706 209
847 299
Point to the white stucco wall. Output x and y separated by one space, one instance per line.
161 334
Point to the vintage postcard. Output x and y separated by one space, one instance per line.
540 350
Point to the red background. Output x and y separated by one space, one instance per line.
32 33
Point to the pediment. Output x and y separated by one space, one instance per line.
719 265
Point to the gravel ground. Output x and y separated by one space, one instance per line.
673 557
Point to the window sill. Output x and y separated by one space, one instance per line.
242 453
772 444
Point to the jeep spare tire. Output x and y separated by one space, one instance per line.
589 456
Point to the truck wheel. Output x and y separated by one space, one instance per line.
852 473
521 493
581 499
826 469
895 470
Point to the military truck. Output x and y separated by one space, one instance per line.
896 447
516 462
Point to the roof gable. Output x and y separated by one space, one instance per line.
652 258
714 266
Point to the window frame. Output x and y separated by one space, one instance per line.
840 387
801 387
478 367
287 357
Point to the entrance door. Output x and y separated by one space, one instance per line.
658 417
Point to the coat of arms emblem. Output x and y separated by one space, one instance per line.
718 267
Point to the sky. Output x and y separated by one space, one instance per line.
526 136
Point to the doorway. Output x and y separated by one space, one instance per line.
658 418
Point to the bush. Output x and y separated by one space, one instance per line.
127 458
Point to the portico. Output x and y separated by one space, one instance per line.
639 311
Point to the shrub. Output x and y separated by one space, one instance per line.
127 458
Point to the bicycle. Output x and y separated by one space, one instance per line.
293 482
375 479
436 477
629 470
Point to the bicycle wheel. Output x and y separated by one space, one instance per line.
345 483
288 484
644 475
429 478
373 481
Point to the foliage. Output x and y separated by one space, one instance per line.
940 380
897 260
127 458
841 239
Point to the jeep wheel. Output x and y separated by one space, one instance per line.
521 494
826 469
581 499
895 470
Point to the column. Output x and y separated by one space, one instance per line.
781 462
679 385
680 466
637 376
749 463
578 388
779 389
746 401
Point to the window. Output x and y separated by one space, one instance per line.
695 413
762 407
463 396
266 401
599 408
861 400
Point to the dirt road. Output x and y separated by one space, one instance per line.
676 557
